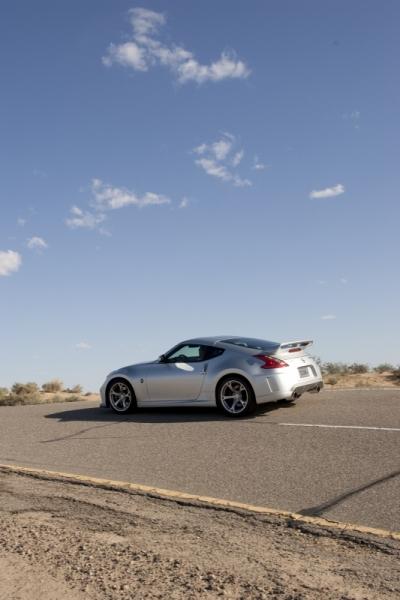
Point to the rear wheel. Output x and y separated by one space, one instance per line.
235 397
120 396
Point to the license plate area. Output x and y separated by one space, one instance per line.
303 372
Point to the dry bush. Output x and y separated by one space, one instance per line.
358 368
24 393
395 375
53 386
331 380
77 389
24 389
334 368
3 392
72 398
384 368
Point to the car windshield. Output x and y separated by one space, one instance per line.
252 343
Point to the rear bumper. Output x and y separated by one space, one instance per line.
315 387
285 385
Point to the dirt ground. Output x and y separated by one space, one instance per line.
62 541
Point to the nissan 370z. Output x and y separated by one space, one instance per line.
233 373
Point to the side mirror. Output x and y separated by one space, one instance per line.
161 358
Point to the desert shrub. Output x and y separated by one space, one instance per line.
77 389
24 393
358 368
53 386
7 401
72 398
395 376
331 380
58 398
334 368
24 389
88 394
3 392
384 368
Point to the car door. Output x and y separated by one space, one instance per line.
178 377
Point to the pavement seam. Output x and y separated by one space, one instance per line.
205 501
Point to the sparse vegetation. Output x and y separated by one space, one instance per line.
360 375
30 393
395 375
53 386
25 389
72 398
77 389
334 368
384 368
358 368
22 393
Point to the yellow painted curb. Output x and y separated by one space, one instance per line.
205 500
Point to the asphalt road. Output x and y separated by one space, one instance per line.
335 454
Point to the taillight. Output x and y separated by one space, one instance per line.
270 362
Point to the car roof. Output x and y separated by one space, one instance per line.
223 339
209 341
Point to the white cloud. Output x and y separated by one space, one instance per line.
328 317
145 50
127 55
343 281
336 190
145 21
36 243
84 219
217 160
83 346
237 159
257 165
10 262
107 197
184 203
21 222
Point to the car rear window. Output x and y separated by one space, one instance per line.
251 343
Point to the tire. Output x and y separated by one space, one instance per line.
235 397
120 396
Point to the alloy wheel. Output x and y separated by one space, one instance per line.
120 396
234 396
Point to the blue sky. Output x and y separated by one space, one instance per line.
173 169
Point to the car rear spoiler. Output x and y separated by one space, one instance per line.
293 347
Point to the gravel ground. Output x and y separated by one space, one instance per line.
67 541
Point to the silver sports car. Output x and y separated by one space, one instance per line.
233 373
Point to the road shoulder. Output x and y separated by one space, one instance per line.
112 544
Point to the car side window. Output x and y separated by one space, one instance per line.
193 353
187 353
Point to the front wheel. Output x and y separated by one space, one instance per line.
235 397
120 396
